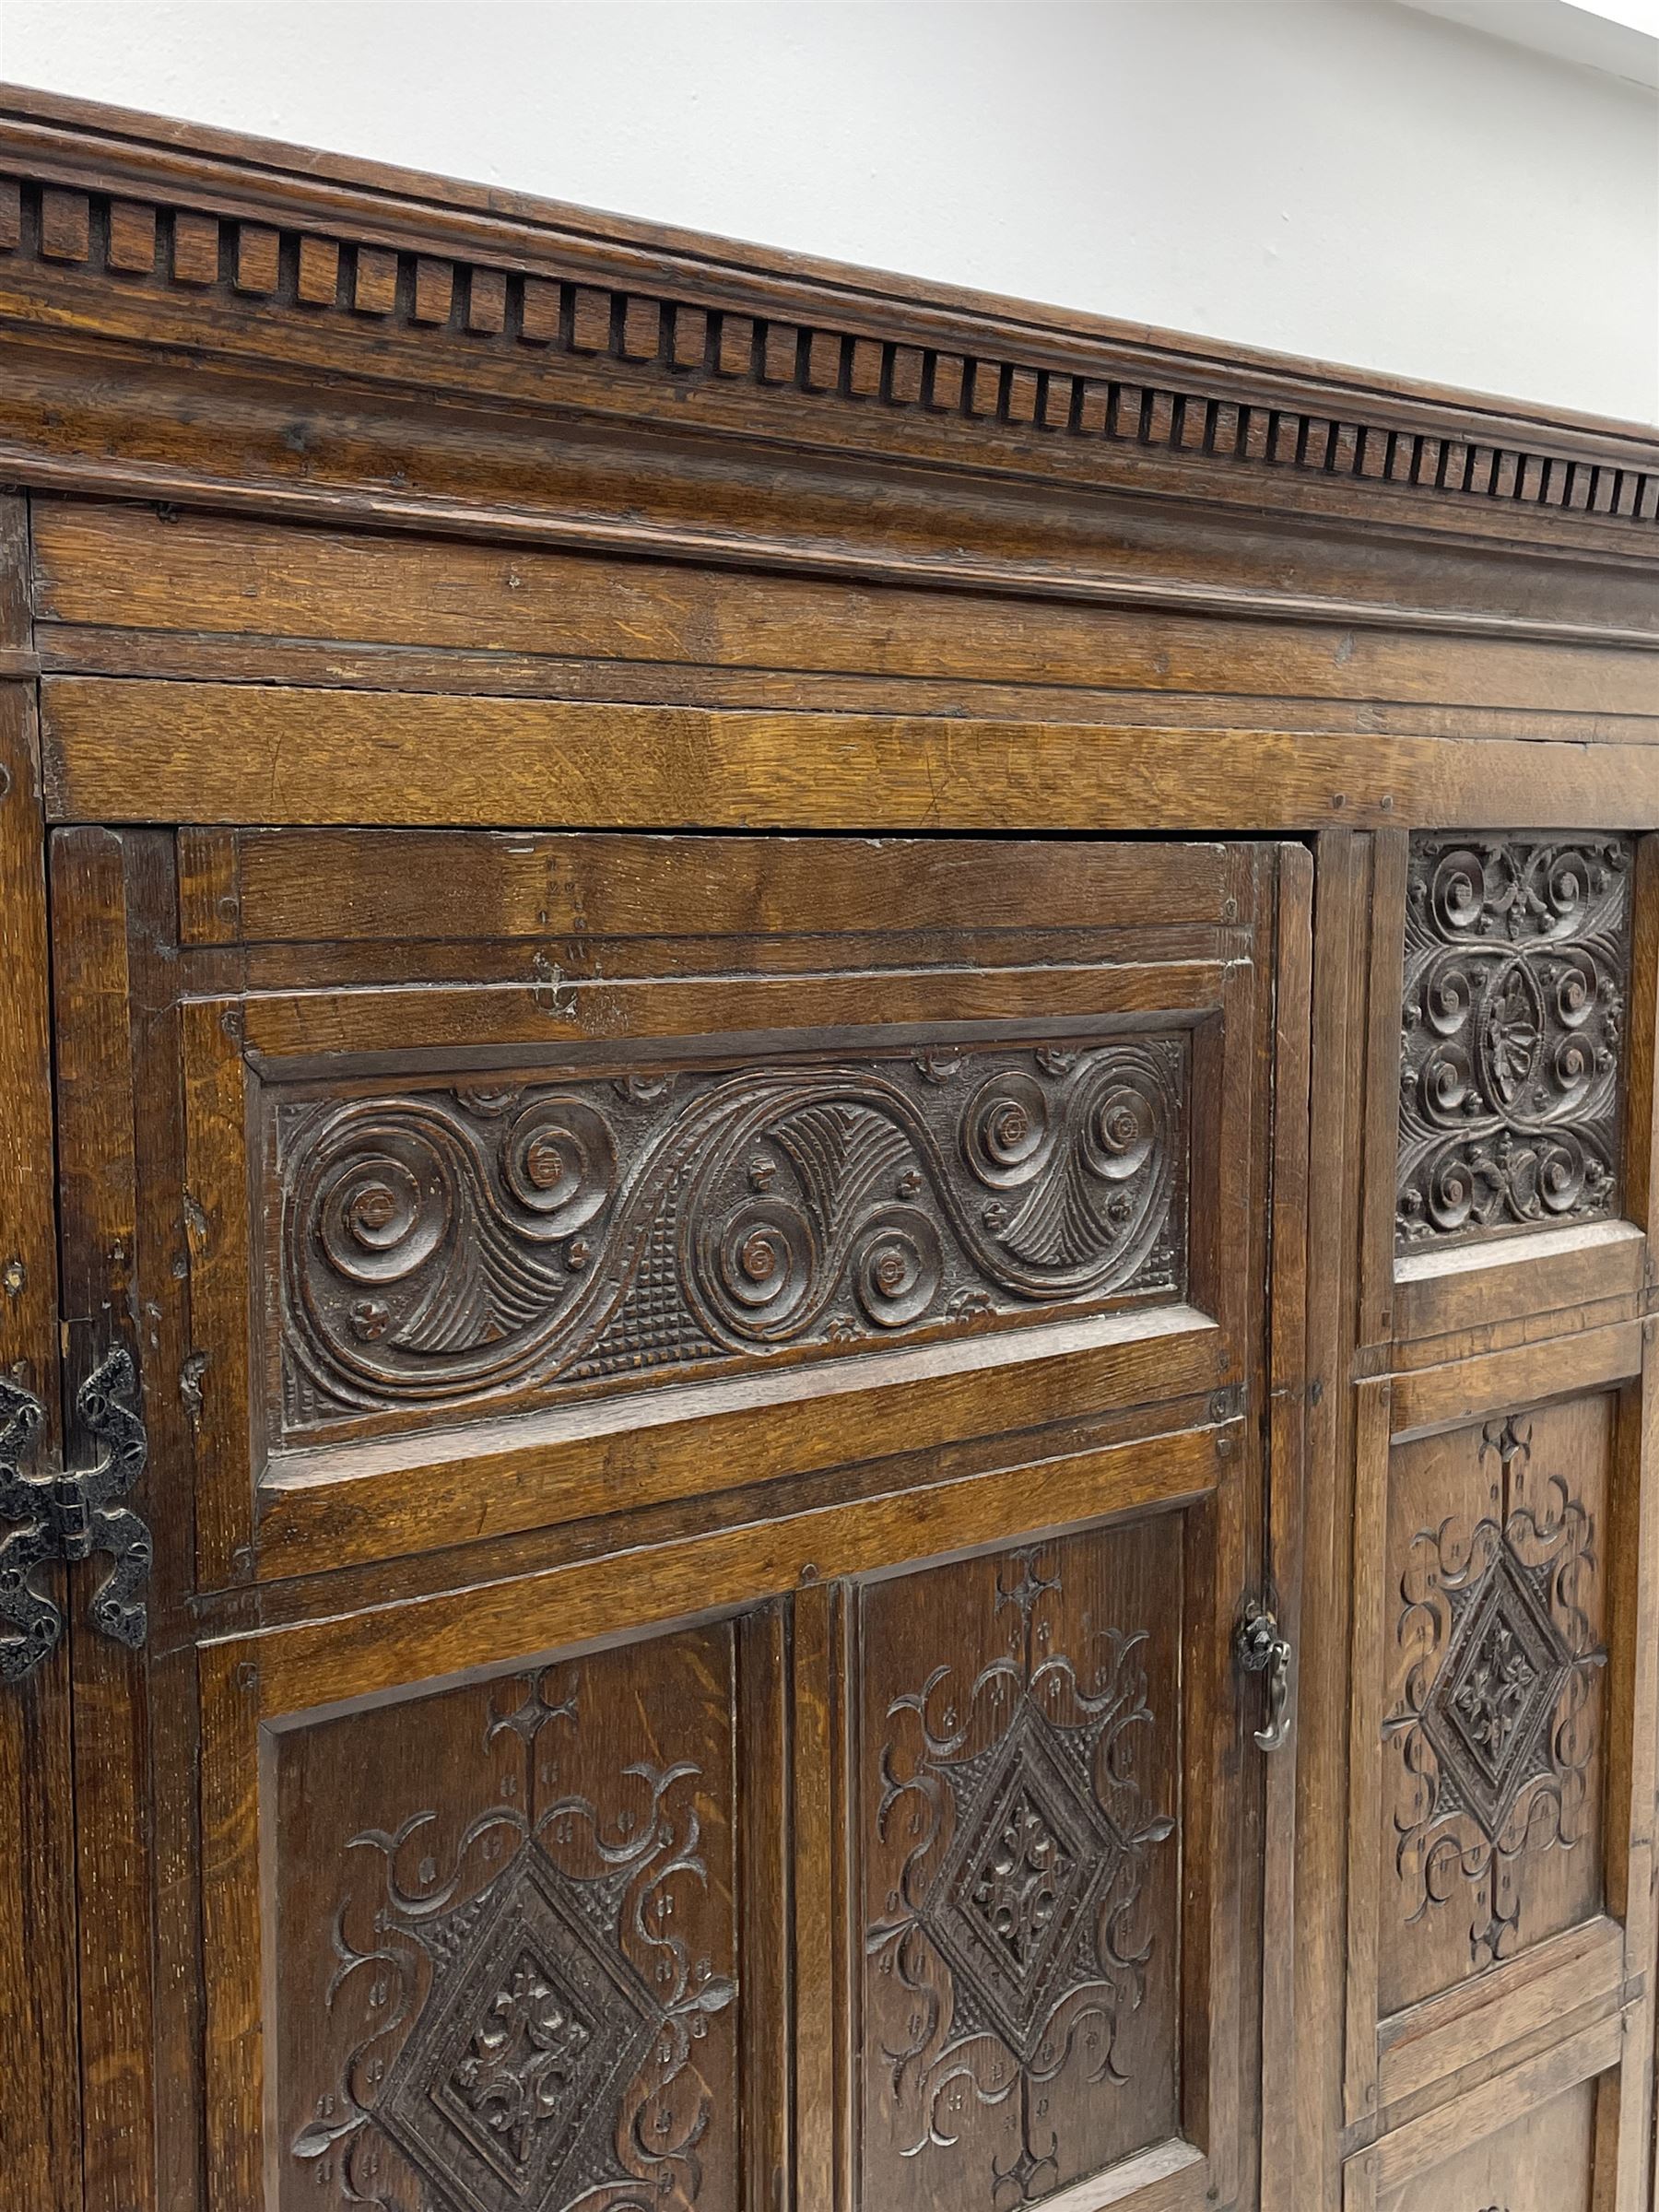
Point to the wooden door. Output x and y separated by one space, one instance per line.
1500 1928
706 1403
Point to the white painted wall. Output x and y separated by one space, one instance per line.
1362 181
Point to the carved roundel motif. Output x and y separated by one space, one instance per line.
440 1248
1517 952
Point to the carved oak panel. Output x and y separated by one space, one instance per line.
1517 955
512 1240
1494 1676
506 1950
1019 1767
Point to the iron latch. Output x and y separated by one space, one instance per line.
70 1514
1262 1649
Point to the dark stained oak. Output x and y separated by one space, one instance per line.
798 1022
527 1979
40 2074
1007 1910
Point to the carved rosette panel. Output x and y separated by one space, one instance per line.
522 2007
1517 955
528 1238
1012 1834
1493 1735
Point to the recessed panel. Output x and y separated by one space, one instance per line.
1539 2161
506 1939
1495 1687
515 1240
1517 959
1018 1763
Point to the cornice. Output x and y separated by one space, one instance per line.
197 245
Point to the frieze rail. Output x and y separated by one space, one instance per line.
442 1247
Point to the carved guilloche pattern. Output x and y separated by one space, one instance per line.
443 1247
1517 955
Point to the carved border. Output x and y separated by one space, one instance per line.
653 328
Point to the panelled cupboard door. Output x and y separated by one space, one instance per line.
705 1402
1500 1932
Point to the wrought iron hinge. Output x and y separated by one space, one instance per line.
71 1514
1263 1649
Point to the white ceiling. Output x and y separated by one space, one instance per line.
1618 37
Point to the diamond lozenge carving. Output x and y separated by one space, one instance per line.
1495 1728
1029 1847
532 2042
532 2028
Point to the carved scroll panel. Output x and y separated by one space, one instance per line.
1018 1773
1517 956
1495 1687
441 1250
506 1944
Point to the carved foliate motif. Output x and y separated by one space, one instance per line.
442 1247
1517 952
535 2033
1496 1726
1012 1927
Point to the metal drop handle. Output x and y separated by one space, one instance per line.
1262 1650
71 1514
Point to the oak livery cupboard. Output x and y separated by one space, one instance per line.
826 1181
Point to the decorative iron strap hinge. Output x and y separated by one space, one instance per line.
70 1515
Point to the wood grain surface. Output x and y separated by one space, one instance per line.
755 1199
